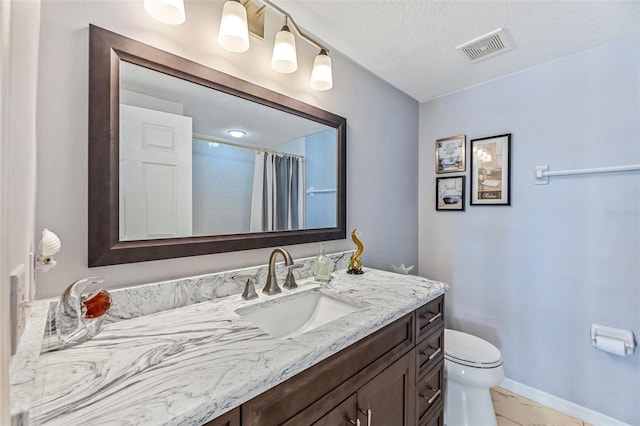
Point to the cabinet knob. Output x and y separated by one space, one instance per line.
433 318
433 397
433 354
367 413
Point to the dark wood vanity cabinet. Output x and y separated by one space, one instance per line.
429 353
387 398
231 418
392 378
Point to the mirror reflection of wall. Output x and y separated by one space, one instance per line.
224 180
223 193
321 199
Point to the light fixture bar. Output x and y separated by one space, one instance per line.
255 17
295 26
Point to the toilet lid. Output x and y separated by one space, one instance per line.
466 349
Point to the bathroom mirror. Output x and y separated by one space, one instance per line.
166 177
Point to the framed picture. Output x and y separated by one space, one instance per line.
491 171
450 154
450 193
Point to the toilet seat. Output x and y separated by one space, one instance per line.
465 349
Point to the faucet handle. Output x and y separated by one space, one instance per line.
290 281
250 281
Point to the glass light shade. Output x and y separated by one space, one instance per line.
234 30
321 74
168 11
284 57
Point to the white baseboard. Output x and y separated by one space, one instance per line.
559 404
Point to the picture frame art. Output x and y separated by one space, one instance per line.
450 193
490 183
450 154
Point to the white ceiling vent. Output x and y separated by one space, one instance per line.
485 46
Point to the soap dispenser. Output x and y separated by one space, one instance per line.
321 267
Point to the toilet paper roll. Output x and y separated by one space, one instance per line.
611 345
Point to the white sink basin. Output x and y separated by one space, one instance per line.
295 314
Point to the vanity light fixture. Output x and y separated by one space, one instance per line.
284 58
236 133
234 28
321 74
239 17
168 11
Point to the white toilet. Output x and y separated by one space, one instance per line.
471 367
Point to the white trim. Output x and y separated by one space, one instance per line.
5 329
559 404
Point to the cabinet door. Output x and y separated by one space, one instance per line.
390 395
343 415
309 395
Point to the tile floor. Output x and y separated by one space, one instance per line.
515 410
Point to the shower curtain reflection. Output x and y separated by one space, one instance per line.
278 201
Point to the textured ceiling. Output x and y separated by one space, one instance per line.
412 43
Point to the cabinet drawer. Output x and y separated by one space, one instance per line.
430 317
429 392
232 418
435 417
429 352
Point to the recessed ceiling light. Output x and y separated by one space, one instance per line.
236 133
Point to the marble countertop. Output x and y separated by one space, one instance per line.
188 365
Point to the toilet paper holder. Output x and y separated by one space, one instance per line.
625 336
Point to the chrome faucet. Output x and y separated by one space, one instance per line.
272 284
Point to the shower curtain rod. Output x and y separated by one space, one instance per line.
240 145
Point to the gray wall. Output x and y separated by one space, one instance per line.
532 277
382 138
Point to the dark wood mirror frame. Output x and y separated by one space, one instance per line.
105 248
